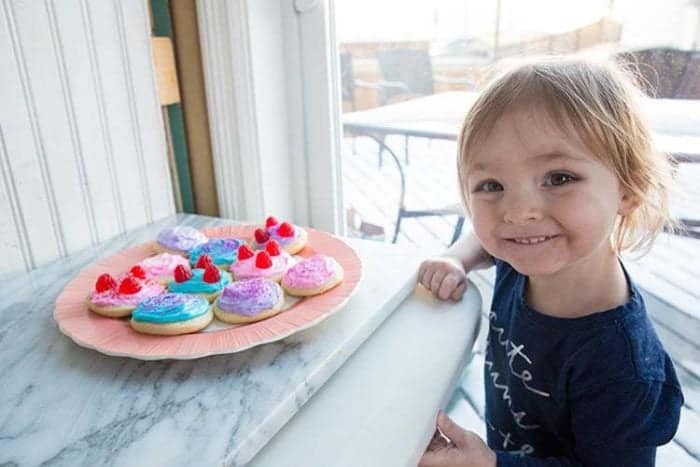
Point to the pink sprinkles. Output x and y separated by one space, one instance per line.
310 273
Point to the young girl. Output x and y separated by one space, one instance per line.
559 176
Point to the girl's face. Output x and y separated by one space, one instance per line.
539 199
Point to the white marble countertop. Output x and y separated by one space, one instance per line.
65 405
379 408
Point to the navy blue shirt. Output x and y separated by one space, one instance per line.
598 390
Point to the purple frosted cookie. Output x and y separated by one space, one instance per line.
249 300
179 239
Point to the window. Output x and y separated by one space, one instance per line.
408 69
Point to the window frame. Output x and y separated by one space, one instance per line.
273 95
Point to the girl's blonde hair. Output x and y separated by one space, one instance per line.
600 102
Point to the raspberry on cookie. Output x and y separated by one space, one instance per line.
290 237
206 279
270 263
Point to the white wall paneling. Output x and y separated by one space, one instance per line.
13 230
82 145
144 106
24 149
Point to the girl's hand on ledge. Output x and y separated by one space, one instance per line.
453 446
444 276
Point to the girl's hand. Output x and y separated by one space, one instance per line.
453 446
444 276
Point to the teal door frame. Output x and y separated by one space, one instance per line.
162 27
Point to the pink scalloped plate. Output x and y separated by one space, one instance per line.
115 337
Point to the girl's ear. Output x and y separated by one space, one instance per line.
628 203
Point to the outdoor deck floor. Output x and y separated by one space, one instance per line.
667 275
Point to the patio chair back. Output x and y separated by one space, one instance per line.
666 72
689 87
412 67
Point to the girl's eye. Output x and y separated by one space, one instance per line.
559 178
489 186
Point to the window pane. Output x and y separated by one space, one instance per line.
410 70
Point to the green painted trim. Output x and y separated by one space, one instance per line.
162 27
179 141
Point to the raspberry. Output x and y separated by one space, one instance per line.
129 286
138 271
182 274
211 274
273 248
203 262
104 283
286 230
244 252
261 236
262 260
270 221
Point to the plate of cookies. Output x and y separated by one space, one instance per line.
193 293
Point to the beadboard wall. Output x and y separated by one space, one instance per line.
82 144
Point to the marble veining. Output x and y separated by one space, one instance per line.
61 404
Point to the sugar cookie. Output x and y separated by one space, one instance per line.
290 237
222 251
206 280
117 299
161 267
248 301
270 263
312 276
179 240
171 314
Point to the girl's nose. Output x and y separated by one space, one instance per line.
522 208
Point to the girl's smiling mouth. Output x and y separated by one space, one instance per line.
531 240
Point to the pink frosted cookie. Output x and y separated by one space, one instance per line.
270 263
290 237
116 299
162 267
312 276
248 301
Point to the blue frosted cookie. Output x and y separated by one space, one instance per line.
171 313
222 251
